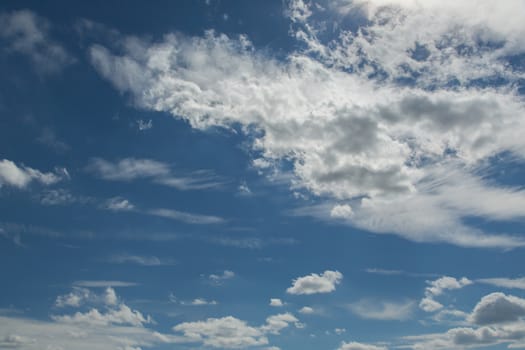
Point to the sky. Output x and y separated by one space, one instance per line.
264 174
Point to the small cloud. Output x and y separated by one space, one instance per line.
139 260
383 310
342 212
201 302
144 125
103 284
314 283
307 310
244 190
118 204
219 279
276 302
339 331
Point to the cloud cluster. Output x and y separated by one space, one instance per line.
437 287
395 126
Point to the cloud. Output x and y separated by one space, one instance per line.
512 283
144 125
103 284
306 310
188 218
119 204
437 287
383 310
28 34
130 169
127 169
201 302
226 332
314 283
359 346
219 279
498 308
21 176
139 260
231 333
395 145
276 302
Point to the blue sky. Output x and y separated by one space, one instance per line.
325 174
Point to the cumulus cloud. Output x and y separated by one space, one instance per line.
399 143
119 204
28 34
437 287
227 332
306 310
359 346
498 308
315 283
383 310
21 176
231 333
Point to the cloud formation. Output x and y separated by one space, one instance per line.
315 283
398 143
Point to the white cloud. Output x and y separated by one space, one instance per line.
144 125
103 284
82 296
28 34
315 283
227 333
383 310
188 218
359 346
139 260
405 158
119 204
307 310
201 301
231 333
276 302
513 283
129 169
219 279
430 305
339 331
21 176
437 287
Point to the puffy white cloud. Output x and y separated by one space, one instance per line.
21 176
359 346
121 315
28 34
276 302
430 305
498 308
406 158
437 287
227 332
231 333
315 283
383 310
